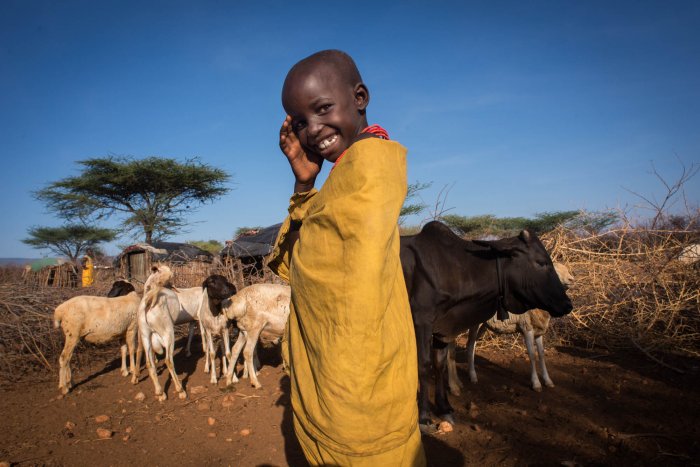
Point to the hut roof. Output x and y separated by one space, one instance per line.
169 251
44 262
255 243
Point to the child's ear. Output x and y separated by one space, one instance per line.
361 94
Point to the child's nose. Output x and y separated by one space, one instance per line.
314 127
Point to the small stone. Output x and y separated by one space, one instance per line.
228 401
101 418
211 434
59 397
4 464
128 429
521 412
104 433
157 418
69 426
473 410
140 397
198 390
245 432
229 440
445 427
123 410
125 438
203 406
475 427
211 421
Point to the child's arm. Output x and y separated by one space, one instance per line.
304 167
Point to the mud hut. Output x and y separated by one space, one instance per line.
190 264
246 255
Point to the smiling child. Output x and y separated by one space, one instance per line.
350 344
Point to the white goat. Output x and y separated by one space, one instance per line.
260 311
156 326
532 325
214 290
98 320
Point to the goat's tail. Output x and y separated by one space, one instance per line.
57 316
161 276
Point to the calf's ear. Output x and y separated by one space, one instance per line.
525 236
502 247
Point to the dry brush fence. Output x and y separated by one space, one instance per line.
631 290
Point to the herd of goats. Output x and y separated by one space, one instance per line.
147 322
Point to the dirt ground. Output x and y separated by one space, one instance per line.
605 410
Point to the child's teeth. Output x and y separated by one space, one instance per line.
326 142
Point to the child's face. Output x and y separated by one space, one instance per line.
327 112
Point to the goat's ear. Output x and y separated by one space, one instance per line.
154 268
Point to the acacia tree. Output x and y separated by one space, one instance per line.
70 240
154 195
408 208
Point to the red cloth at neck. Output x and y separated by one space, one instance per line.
373 130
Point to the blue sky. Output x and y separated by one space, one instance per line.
518 107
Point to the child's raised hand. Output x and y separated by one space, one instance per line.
305 167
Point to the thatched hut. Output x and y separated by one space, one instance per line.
51 272
190 264
246 255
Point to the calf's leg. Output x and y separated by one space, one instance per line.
540 351
529 336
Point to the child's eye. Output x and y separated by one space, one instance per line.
298 126
324 108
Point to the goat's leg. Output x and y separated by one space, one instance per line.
205 347
540 351
169 351
139 352
130 340
211 350
235 352
251 343
226 349
124 370
151 364
452 378
64 373
529 336
190 336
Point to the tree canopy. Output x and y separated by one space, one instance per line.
409 208
154 195
70 240
212 246
488 224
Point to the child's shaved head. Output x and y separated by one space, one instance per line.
325 101
334 61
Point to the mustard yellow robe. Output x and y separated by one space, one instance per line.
350 343
87 277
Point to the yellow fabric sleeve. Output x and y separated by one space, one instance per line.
280 258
